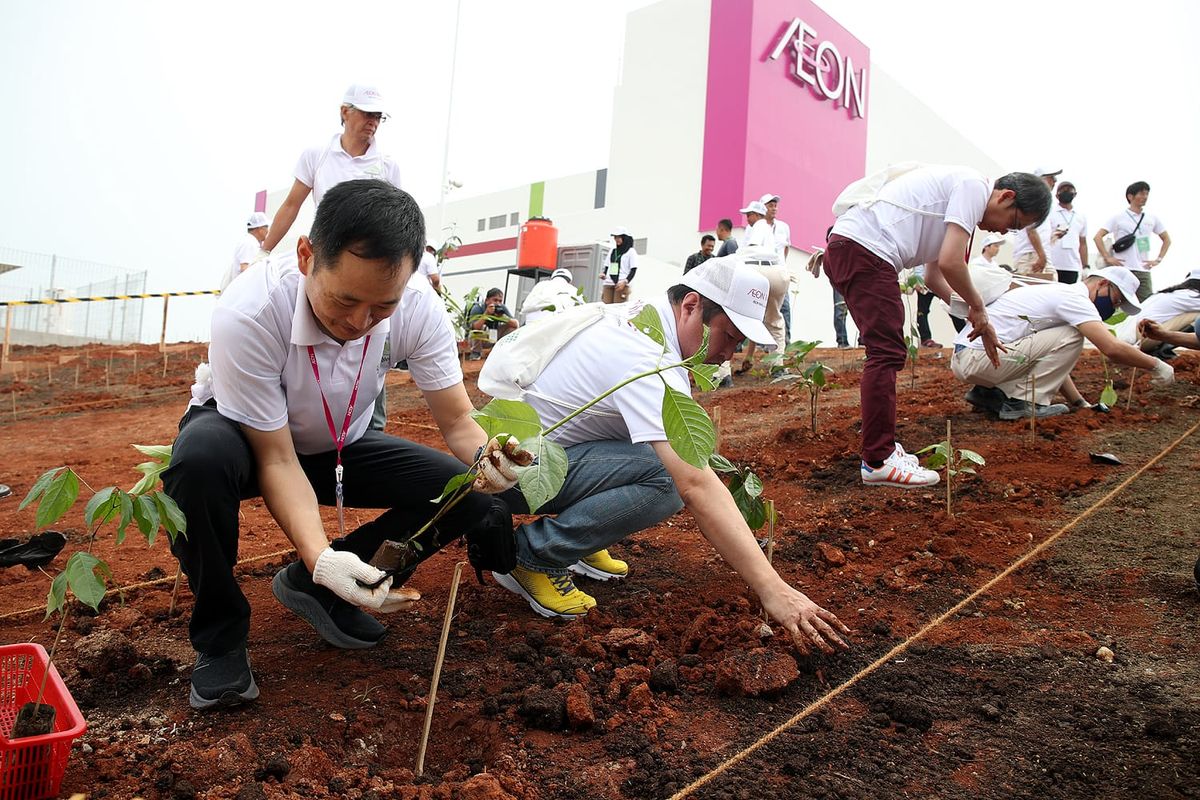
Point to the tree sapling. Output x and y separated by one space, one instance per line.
955 461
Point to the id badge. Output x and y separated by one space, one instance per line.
1143 245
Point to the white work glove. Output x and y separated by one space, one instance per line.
1164 374
259 256
497 466
340 571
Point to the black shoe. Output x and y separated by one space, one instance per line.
223 680
986 399
37 551
5 491
1019 409
339 623
726 382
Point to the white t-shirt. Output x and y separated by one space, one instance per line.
322 167
783 237
1160 307
1047 305
758 241
261 373
904 238
1064 253
557 292
246 250
1022 244
595 361
428 264
626 265
1123 224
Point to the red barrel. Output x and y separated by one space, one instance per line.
537 244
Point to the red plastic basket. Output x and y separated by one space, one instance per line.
32 768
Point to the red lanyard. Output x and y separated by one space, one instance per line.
339 440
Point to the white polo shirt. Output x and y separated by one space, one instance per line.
428 265
758 241
325 166
1026 310
595 361
1124 223
1160 307
261 373
1064 252
906 225
614 273
783 237
245 252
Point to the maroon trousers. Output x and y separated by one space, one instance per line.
872 291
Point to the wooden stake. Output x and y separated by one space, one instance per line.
108 369
1132 378
7 332
135 375
49 376
164 363
716 421
175 591
162 341
437 666
76 376
1033 403
949 467
14 399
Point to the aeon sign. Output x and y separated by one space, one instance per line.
821 66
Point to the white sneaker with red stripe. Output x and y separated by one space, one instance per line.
899 469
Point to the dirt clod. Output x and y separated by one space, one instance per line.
105 652
543 708
833 556
758 672
580 714
1105 655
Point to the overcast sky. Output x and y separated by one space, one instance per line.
137 133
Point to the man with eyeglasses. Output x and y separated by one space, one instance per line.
1042 326
1031 247
925 215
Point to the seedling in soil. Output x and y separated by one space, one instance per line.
956 462
746 488
911 286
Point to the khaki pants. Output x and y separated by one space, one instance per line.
610 294
1048 355
1024 266
1176 324
777 280
1145 284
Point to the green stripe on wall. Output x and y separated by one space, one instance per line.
537 193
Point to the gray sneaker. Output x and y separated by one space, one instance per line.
1019 409
986 399
339 623
224 680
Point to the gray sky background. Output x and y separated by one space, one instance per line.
136 133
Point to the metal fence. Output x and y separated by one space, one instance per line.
39 276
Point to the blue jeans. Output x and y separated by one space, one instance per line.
612 489
786 310
839 318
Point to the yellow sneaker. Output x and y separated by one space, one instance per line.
600 566
548 595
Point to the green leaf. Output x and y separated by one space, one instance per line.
509 416
126 502
969 470
648 322
39 486
753 485
145 513
453 485
688 428
697 358
85 575
971 455
101 508
57 597
151 470
1109 395
801 349
721 464
705 375
172 518
939 458
754 511
60 495
542 480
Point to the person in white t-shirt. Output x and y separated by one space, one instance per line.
924 216
783 245
1134 225
1068 235
247 249
1042 327
429 266
622 264
758 249
551 296
1031 247
1172 309
296 343
623 474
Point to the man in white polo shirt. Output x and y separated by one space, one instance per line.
1132 228
1031 247
623 475
297 346
429 266
758 249
247 249
926 215
783 245
1043 326
1068 235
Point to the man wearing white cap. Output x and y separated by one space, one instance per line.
1043 327
622 264
757 249
987 255
623 475
247 249
429 266
1031 247
550 296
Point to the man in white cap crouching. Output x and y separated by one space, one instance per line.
247 249
622 475
1043 326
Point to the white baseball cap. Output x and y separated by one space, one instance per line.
739 290
257 220
1124 280
562 273
1045 172
768 197
754 207
364 98
1194 275
620 231
994 238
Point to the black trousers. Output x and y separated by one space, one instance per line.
1067 277
924 303
213 469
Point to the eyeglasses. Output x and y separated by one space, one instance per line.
378 116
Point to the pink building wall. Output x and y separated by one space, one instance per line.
766 130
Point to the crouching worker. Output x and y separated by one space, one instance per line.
1043 327
297 354
622 475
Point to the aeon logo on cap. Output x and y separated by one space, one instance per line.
757 296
